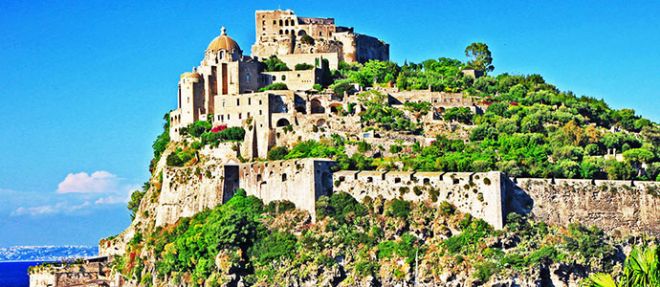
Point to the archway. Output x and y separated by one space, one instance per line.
317 107
335 108
282 123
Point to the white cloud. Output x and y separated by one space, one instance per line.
78 193
97 182
58 208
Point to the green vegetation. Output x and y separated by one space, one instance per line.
274 87
228 134
529 128
136 198
480 57
160 144
385 240
303 66
331 149
641 268
462 115
277 153
274 64
379 113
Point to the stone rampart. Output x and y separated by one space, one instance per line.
614 206
300 181
480 194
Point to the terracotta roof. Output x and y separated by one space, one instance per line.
223 42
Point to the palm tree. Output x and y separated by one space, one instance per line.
641 269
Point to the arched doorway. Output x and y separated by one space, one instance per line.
317 107
282 123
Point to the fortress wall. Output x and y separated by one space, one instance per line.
292 60
480 194
299 181
614 206
189 190
295 80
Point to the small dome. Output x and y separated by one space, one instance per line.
223 42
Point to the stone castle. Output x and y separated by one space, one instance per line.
224 90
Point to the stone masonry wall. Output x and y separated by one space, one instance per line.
614 206
187 191
480 194
299 181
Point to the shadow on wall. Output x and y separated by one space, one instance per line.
517 200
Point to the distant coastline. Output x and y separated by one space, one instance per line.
48 253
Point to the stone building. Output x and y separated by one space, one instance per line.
282 32
223 89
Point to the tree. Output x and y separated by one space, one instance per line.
274 64
460 114
480 57
136 198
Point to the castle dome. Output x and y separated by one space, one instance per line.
223 42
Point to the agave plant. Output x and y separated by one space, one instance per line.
641 269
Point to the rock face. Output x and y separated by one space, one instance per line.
615 206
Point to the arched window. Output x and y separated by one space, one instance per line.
284 177
280 31
282 122
283 77
281 23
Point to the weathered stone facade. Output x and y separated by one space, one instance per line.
282 32
91 272
615 206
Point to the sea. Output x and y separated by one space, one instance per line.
15 273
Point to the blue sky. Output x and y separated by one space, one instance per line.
85 83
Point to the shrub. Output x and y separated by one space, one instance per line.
395 148
340 206
277 153
273 247
228 134
363 146
303 66
197 128
134 202
398 208
459 114
274 87
274 64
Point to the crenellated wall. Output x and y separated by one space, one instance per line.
480 194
